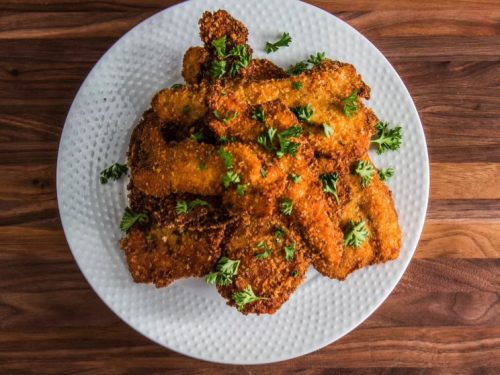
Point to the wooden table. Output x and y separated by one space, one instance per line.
443 316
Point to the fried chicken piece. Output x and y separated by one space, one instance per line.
375 206
220 23
163 254
274 277
192 64
189 166
323 88
262 69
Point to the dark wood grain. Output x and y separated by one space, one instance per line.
443 317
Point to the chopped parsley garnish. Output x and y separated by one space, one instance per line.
386 173
226 139
304 113
279 233
365 171
230 177
242 59
356 234
259 115
294 273
290 251
327 129
316 59
197 137
202 165
263 172
186 109
244 297
298 68
284 41
218 69
227 158
225 270
283 145
286 206
183 207
329 181
131 217
297 85
296 178
220 46
387 139
241 188
113 172
176 86
225 119
349 103
267 250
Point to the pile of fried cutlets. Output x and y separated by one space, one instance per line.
248 173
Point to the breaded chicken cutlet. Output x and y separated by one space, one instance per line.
247 174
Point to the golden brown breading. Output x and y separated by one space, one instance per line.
274 277
262 69
163 254
221 23
373 204
194 60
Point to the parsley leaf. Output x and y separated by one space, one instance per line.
349 103
113 172
284 146
184 207
241 188
316 59
387 139
225 270
240 52
220 46
279 233
327 130
284 41
218 69
329 181
304 113
230 177
294 273
297 85
226 139
356 234
298 68
295 178
131 217
290 251
244 297
197 137
263 172
386 173
286 206
227 118
227 158
177 86
186 109
259 115
267 250
365 171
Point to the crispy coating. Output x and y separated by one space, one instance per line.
324 88
221 23
274 277
192 64
163 254
262 69
375 205
189 166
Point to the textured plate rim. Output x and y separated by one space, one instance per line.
305 350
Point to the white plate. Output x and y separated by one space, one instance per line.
190 317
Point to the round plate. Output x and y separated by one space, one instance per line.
189 316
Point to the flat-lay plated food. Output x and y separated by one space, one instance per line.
248 173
